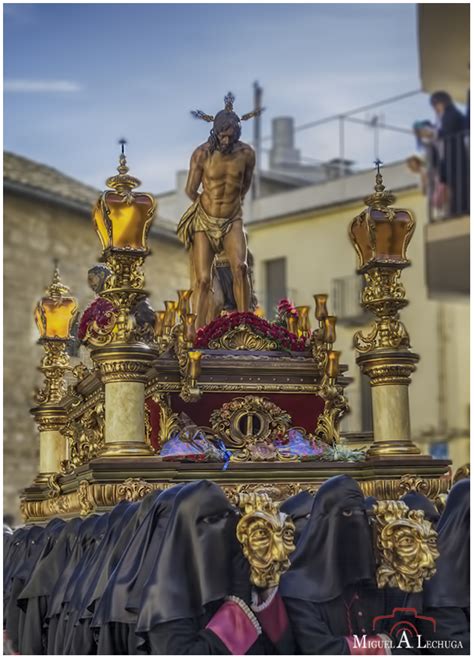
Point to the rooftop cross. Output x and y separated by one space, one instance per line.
378 163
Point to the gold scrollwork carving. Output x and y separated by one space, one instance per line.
86 437
54 364
248 420
168 419
86 506
134 489
242 337
335 407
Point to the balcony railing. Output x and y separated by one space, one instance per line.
448 172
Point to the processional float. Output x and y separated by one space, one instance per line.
254 405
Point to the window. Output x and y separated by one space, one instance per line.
275 284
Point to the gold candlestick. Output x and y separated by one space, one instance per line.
159 323
321 311
292 322
184 302
330 329
170 316
195 357
332 365
304 328
190 328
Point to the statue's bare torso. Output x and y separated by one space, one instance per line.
225 178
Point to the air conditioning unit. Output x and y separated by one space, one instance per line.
345 302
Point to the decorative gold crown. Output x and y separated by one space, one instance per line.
228 107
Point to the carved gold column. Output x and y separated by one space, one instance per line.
122 219
54 315
380 235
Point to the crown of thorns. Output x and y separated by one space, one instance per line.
228 107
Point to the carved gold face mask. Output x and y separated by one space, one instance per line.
406 546
267 539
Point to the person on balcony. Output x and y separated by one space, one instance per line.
453 164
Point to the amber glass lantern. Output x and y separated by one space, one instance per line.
381 233
56 311
122 218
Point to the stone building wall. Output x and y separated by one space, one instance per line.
35 232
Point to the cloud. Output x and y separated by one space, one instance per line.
17 85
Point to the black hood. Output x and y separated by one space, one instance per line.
335 549
450 585
299 509
93 562
83 537
193 567
417 501
122 594
113 558
49 568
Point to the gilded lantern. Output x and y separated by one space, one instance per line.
381 234
123 218
56 310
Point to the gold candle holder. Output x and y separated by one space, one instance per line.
190 328
321 311
292 322
170 316
195 357
159 323
304 328
184 302
330 329
332 364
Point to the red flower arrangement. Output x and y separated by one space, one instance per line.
284 310
217 328
100 311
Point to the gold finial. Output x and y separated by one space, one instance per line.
57 289
380 198
123 183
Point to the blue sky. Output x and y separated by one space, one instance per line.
78 77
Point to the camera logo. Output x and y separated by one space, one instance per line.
406 624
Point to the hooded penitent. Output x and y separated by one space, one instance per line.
35 596
417 501
116 612
193 567
335 549
78 638
299 509
66 615
450 585
84 539
38 538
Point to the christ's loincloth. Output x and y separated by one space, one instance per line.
196 219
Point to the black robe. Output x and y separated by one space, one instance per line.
446 596
84 538
330 590
115 613
183 608
66 617
79 638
